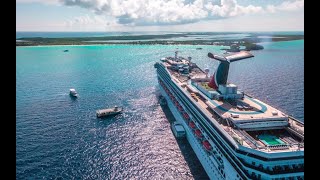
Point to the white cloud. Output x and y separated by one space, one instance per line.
287 6
87 22
230 8
166 12
169 12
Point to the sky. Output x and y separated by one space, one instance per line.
159 15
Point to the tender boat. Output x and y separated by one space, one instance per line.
73 93
178 130
109 111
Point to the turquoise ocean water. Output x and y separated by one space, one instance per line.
60 137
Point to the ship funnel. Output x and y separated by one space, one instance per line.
220 76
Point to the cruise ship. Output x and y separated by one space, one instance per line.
234 135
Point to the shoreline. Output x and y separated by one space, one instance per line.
70 45
250 42
111 44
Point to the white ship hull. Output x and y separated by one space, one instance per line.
208 163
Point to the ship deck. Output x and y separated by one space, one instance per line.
290 138
246 109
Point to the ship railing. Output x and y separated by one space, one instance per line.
248 95
247 138
296 120
289 140
278 147
276 169
295 131
252 139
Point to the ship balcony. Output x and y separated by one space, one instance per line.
294 168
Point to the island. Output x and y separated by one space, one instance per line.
250 42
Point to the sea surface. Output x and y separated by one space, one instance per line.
60 137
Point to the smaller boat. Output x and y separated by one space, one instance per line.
73 93
66 50
198 48
178 130
109 111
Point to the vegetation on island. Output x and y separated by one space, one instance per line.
249 42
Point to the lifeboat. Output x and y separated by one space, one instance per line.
192 124
176 103
186 116
198 133
207 145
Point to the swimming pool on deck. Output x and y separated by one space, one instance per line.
270 140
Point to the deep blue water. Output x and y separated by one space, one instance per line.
59 137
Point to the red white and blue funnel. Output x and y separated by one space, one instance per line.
220 76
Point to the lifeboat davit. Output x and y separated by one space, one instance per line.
192 124
198 133
207 145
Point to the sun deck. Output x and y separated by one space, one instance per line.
242 109
245 109
195 72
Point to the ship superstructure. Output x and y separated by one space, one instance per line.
234 135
